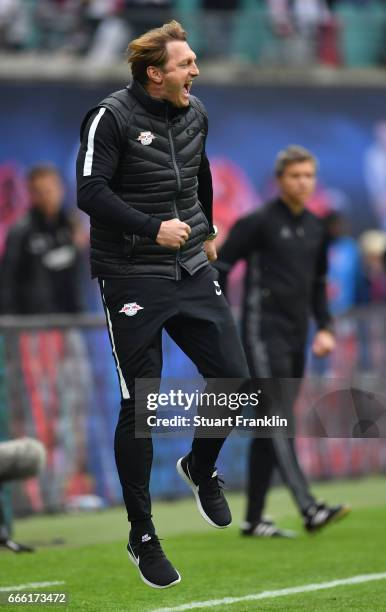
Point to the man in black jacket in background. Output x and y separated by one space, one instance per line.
39 270
285 249
144 179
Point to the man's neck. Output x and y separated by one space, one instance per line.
153 90
295 206
48 217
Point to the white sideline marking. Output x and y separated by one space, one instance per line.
30 585
305 588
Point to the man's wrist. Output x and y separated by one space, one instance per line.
327 328
151 228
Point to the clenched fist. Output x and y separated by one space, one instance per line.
173 234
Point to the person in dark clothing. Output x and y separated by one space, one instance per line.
19 459
285 250
144 178
40 265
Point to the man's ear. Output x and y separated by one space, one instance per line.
154 74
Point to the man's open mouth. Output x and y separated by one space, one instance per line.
187 87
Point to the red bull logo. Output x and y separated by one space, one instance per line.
131 309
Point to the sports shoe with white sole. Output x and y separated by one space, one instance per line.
154 568
210 499
265 528
319 515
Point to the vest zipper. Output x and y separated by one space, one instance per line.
178 177
177 267
176 170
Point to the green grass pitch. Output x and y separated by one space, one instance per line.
214 564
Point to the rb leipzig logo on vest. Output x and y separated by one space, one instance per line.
131 309
146 138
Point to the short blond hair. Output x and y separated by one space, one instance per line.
291 155
150 48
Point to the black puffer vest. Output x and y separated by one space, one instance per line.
156 174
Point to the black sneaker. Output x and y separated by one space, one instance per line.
265 529
210 499
318 515
154 568
15 547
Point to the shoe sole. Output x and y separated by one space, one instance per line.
146 581
344 511
194 488
274 536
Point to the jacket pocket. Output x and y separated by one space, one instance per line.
129 241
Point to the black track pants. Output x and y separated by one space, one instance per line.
196 315
267 453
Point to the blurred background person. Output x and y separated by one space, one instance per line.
40 275
14 25
19 459
108 31
375 171
347 288
39 269
285 249
346 285
217 26
306 31
373 247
